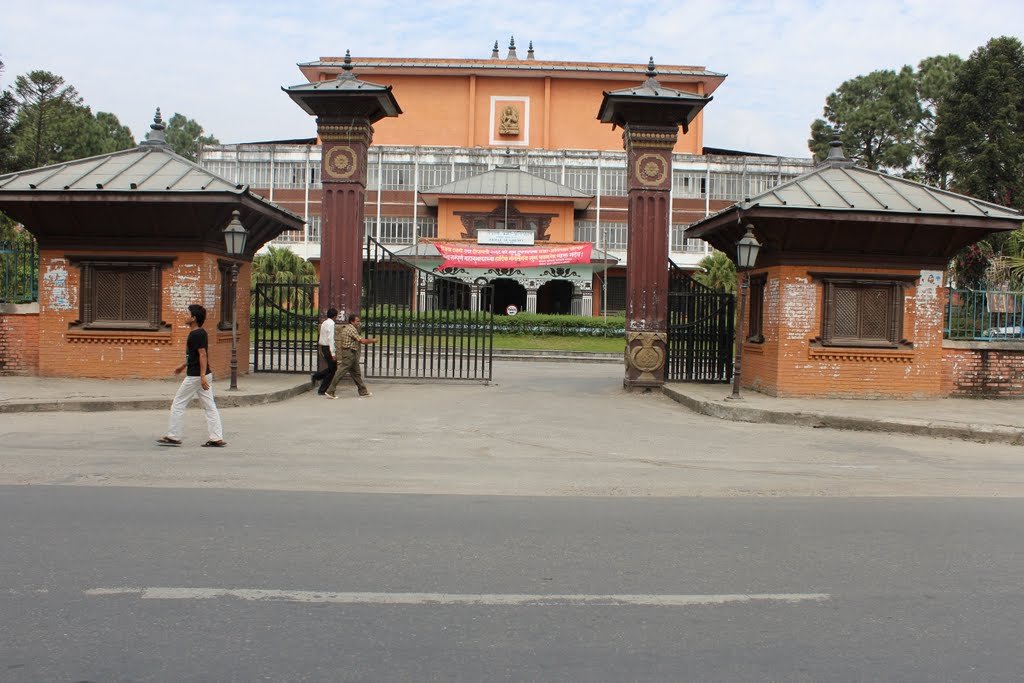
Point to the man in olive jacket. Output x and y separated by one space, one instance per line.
347 341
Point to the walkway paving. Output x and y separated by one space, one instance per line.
997 421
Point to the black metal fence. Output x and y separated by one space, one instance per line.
284 326
701 331
19 272
429 326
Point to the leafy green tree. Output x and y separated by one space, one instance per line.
875 116
283 266
979 131
185 136
717 272
8 109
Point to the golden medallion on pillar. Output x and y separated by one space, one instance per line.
647 356
340 162
650 169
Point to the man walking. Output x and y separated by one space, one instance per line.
348 356
326 343
198 381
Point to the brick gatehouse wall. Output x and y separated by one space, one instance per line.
19 339
988 369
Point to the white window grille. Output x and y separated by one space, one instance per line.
727 186
552 173
677 240
254 174
688 184
760 182
681 243
467 170
613 182
289 175
397 177
428 226
290 236
582 178
224 169
372 174
614 235
314 228
393 229
432 175
585 231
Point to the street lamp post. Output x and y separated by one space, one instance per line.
234 241
746 256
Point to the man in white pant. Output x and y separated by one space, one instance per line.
198 380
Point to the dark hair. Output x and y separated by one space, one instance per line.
332 312
199 313
352 317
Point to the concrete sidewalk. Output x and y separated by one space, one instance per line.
983 420
996 421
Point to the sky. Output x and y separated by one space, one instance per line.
223 63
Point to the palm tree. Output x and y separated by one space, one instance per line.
717 272
281 265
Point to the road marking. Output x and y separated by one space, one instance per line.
268 595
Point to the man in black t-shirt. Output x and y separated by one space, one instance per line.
198 382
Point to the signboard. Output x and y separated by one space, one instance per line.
469 256
517 237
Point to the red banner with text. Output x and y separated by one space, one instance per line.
471 256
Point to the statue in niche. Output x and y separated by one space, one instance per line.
509 124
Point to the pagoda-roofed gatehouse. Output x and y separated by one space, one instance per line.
127 241
847 295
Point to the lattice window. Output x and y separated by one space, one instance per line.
120 293
254 173
428 226
552 173
225 169
289 175
314 228
397 176
468 170
615 294
862 310
689 184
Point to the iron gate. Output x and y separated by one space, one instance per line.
701 331
429 325
285 327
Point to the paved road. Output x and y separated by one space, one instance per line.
122 584
543 429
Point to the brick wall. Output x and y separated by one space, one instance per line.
193 277
19 339
984 369
789 364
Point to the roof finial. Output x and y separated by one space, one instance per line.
512 49
156 136
346 67
835 150
529 53
652 75
494 52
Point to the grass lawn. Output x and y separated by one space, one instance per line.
554 343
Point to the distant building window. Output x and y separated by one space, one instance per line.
615 294
119 293
862 310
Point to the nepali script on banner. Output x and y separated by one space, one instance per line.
472 256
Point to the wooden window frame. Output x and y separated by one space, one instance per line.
895 286
755 308
90 265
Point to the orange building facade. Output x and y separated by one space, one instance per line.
527 118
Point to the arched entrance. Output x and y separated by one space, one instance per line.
506 293
555 297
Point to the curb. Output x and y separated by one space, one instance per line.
940 429
224 400
544 356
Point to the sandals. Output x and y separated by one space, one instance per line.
168 441
215 444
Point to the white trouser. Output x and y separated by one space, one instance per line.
188 390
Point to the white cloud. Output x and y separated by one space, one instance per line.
223 63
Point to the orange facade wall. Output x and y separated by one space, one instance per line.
462 111
19 339
193 277
449 226
787 364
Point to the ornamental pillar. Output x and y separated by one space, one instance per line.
531 300
650 116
